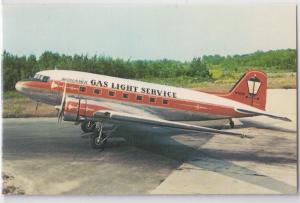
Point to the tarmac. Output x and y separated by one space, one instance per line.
46 158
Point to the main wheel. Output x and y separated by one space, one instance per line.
131 140
96 142
88 126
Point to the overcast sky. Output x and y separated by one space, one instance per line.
148 31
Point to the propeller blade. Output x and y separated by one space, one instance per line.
62 105
36 107
78 112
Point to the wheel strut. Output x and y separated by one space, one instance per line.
98 139
231 123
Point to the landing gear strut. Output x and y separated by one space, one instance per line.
231 123
98 139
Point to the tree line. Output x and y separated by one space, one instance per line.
17 68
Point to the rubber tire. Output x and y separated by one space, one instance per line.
84 127
93 143
131 140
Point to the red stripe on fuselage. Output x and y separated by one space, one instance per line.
180 104
84 110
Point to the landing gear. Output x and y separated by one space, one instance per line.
98 139
231 123
131 140
88 126
101 134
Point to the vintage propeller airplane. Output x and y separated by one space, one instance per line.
93 100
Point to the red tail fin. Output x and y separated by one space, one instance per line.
251 89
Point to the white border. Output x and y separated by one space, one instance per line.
159 2
150 199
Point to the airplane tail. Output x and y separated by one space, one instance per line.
251 89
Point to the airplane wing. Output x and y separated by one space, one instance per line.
128 118
263 113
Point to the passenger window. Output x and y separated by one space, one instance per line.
152 99
97 91
165 101
139 97
125 95
82 89
111 93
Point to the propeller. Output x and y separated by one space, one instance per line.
62 105
78 113
36 107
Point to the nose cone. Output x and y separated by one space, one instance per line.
19 86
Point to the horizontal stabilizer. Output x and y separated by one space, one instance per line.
128 118
258 113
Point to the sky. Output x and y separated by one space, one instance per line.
148 31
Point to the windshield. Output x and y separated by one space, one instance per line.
42 78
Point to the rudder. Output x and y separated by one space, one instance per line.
251 89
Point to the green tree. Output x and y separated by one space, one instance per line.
199 69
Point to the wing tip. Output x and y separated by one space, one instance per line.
286 119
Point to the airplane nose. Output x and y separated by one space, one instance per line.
19 86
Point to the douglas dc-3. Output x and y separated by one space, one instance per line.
92 100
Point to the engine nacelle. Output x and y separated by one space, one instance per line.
76 109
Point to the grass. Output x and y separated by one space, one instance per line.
17 105
12 94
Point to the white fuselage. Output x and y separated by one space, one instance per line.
182 104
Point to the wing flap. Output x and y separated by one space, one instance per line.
128 118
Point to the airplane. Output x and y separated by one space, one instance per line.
94 100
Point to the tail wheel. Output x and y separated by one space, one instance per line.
88 126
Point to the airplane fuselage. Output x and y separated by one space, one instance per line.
98 92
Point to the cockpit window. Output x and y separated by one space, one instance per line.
42 78
45 79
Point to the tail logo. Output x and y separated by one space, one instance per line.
253 85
